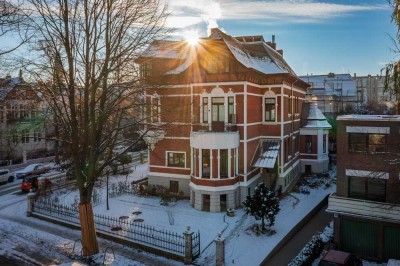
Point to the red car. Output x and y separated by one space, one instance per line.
32 183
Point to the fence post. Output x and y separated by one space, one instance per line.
220 251
188 246
31 199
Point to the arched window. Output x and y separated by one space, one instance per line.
269 106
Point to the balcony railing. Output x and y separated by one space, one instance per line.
364 208
216 126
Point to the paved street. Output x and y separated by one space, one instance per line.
294 245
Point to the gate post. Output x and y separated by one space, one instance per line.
31 199
220 251
188 246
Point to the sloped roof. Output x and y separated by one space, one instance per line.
8 84
315 118
255 55
270 149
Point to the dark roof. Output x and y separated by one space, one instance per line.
7 85
257 55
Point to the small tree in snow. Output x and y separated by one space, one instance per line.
263 205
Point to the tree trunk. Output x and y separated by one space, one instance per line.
398 106
88 230
262 224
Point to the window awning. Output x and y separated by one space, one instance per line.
269 154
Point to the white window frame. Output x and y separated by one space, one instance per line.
177 167
217 92
269 95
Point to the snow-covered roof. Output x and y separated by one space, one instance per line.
166 49
256 55
315 118
8 84
370 117
270 154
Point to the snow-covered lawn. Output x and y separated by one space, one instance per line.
243 246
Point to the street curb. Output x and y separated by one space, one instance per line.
295 229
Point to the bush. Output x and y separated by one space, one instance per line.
309 253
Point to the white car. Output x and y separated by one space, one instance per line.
33 169
5 176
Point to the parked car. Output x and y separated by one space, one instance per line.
31 182
6 176
33 169
340 258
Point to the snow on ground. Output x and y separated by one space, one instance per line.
243 246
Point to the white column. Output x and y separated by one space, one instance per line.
211 164
191 162
229 162
237 161
327 142
226 108
200 163
320 136
209 112
219 163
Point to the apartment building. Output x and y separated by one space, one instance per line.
371 92
366 206
229 112
332 92
21 124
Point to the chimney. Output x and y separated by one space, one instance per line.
20 74
280 51
273 44
355 75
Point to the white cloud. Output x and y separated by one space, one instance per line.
191 12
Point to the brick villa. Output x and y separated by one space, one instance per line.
230 109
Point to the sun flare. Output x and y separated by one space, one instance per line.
192 37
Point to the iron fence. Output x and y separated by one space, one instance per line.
123 227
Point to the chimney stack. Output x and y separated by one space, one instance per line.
273 38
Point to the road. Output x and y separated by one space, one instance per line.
317 224
9 188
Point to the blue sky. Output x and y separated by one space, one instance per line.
343 36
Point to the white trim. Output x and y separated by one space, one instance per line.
284 174
182 138
369 174
245 129
373 130
213 189
166 159
251 181
167 167
230 83
178 176
179 95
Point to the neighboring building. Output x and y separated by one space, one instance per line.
366 206
314 139
334 93
230 108
371 93
21 124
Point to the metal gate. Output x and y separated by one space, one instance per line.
391 246
359 238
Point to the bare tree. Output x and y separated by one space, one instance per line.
14 24
87 72
392 69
